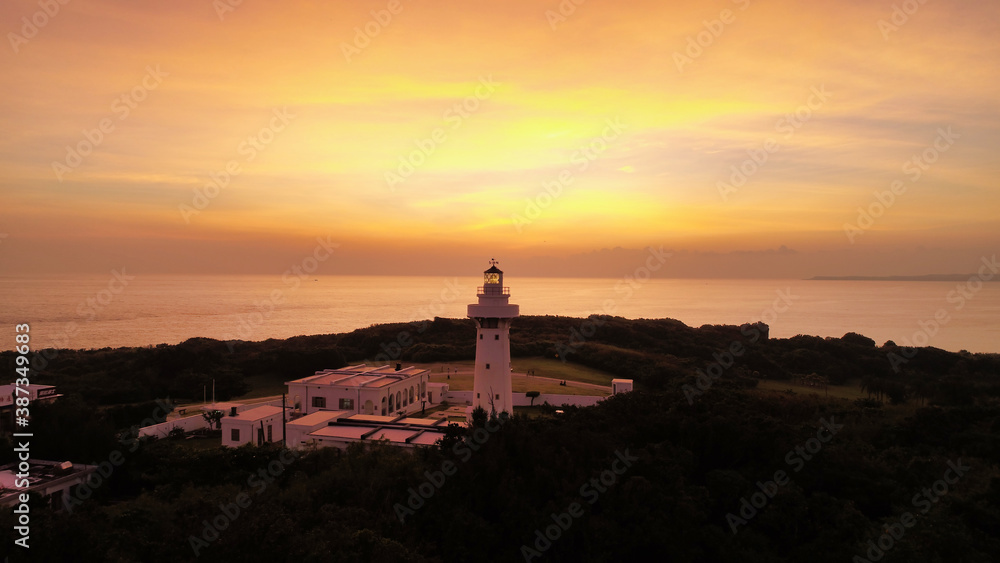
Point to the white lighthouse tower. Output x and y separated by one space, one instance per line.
491 388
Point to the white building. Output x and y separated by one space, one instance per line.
362 390
491 384
52 480
620 386
254 426
8 394
345 428
298 430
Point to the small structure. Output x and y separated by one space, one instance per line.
298 430
35 394
620 386
341 429
436 392
51 480
255 426
363 390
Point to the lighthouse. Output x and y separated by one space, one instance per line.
491 387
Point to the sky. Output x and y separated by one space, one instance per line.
749 138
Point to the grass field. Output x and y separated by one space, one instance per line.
264 386
459 376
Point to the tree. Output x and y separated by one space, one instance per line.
532 395
213 418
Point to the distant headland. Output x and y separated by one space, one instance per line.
925 278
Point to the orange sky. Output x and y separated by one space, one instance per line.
504 99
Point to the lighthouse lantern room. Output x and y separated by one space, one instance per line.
491 385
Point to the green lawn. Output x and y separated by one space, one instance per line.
548 367
459 376
263 386
542 367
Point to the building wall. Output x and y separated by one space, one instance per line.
248 430
491 383
621 386
521 400
195 422
188 424
368 401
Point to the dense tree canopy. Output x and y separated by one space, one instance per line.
733 473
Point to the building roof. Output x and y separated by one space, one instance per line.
427 422
394 434
348 432
318 417
371 418
257 413
427 438
43 477
361 376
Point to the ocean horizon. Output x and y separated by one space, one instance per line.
121 310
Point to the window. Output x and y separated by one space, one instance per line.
235 436
390 403
487 366
411 394
319 402
480 336
498 397
477 395
347 404
398 404
383 406
496 337
270 434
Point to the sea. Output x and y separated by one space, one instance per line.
124 309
